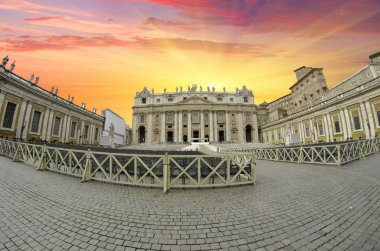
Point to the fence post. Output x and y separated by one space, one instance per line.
17 156
253 168
277 154
43 163
339 160
300 157
88 167
166 173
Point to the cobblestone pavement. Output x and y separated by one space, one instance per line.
292 207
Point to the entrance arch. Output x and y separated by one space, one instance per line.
248 134
170 136
185 138
141 134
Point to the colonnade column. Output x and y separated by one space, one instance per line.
21 119
370 119
216 137
342 118
135 129
163 127
68 125
211 125
175 127
180 127
228 130
63 128
255 128
326 128
329 125
45 124
202 126
241 128
349 130
365 121
189 136
50 123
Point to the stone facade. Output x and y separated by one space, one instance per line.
30 112
314 113
194 115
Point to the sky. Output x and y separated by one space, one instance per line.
103 51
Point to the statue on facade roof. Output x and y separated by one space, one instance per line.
68 98
165 90
188 88
180 89
224 89
213 89
208 88
237 90
13 65
56 91
72 99
52 89
31 78
200 88
5 61
194 88
37 80
176 89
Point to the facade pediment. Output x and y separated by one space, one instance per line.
195 100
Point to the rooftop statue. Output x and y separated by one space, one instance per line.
52 89
5 61
31 78
56 91
194 88
13 65
224 89
208 88
180 89
37 80
200 88
176 89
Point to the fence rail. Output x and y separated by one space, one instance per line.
150 170
327 153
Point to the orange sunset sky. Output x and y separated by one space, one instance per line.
103 51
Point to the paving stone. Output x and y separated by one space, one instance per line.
292 207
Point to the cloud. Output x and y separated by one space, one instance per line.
295 16
65 42
69 42
45 18
154 23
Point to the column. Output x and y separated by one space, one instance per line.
326 128
180 127
163 127
312 131
349 130
365 121
302 136
211 125
175 127
149 127
330 126
135 129
21 119
202 126
228 130
189 136
255 128
342 118
27 118
240 128
2 96
371 119
68 125
216 137
45 124
50 123
63 128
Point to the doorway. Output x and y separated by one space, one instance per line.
221 136
248 134
141 134
195 136
169 136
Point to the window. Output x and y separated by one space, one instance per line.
368 73
158 100
170 117
307 132
337 126
157 119
184 98
205 98
143 100
35 122
9 115
220 99
142 119
57 124
96 133
247 117
357 125
378 117
195 117
231 100
86 132
170 99
73 129
320 129
245 99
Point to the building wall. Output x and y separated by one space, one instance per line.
32 100
349 110
194 115
119 128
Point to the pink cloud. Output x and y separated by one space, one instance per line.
45 18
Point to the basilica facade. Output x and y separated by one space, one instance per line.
194 115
